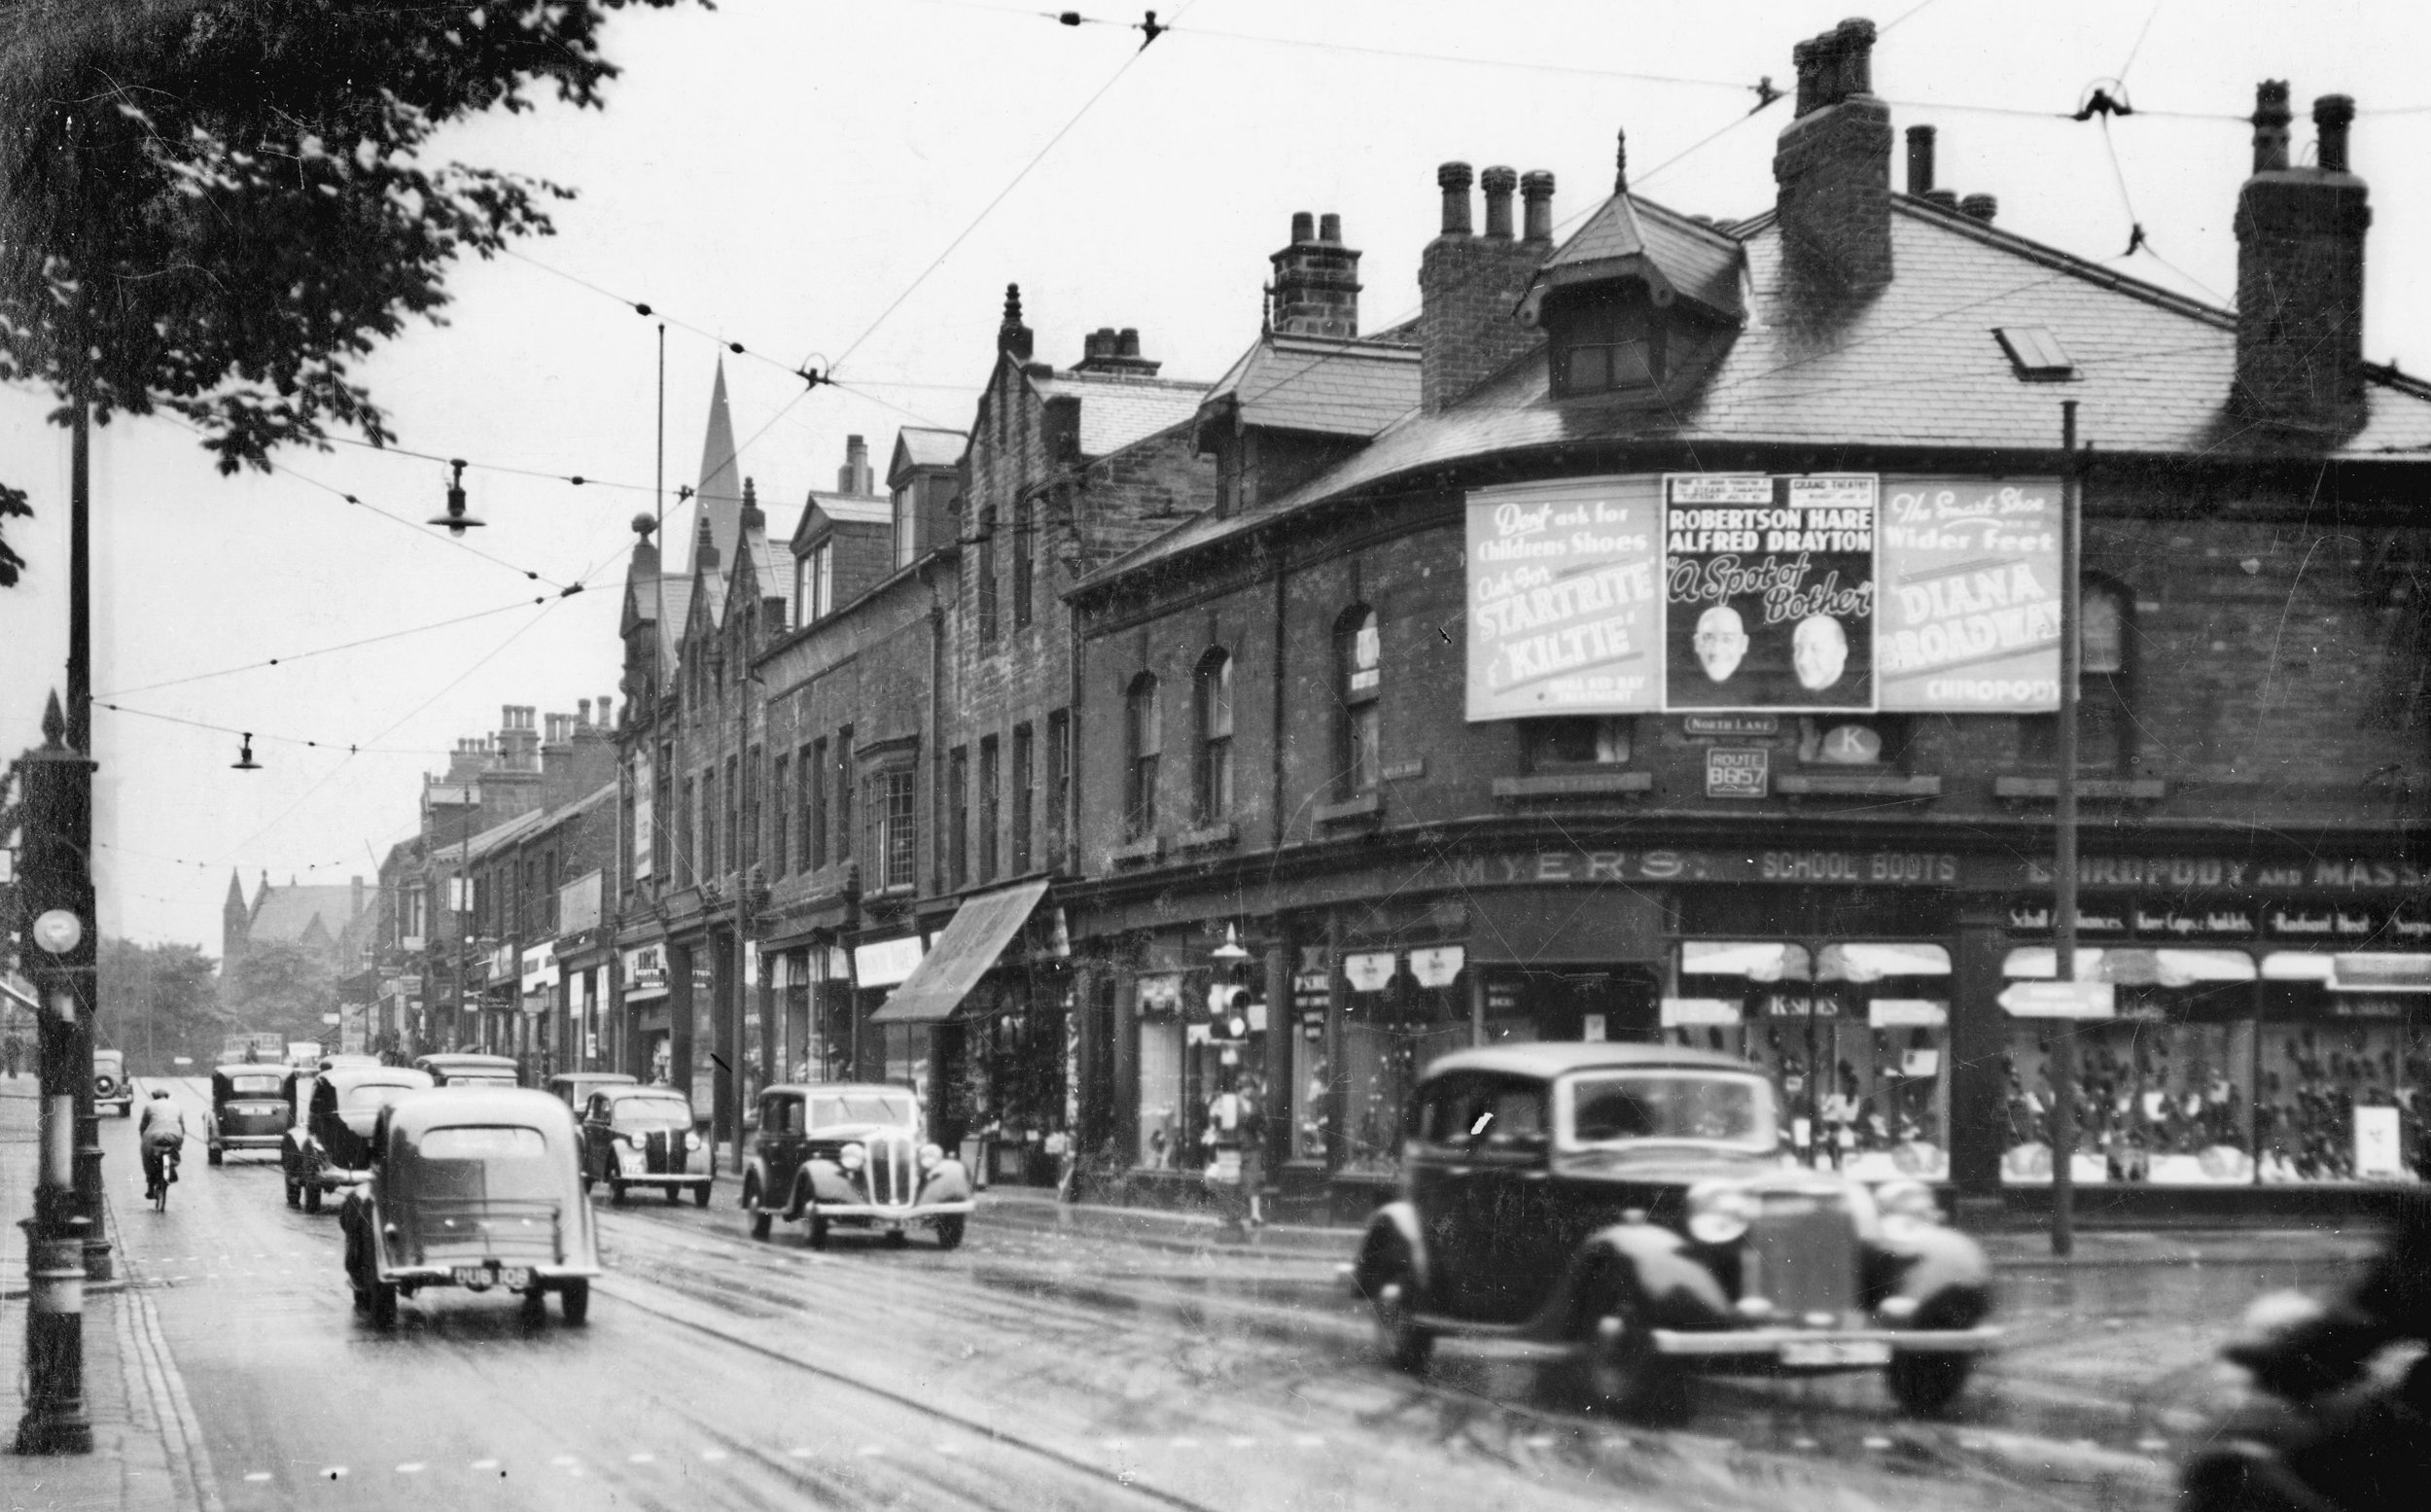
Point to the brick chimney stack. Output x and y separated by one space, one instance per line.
1832 171
1920 160
1108 350
853 477
2300 273
1316 281
1470 285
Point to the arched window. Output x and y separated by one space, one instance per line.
2105 708
1143 744
1359 677
1211 711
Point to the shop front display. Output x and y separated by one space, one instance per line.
2227 1067
1394 1022
1853 1033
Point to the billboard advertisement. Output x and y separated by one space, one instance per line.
644 815
1763 593
1970 611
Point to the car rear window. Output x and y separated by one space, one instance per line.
482 1162
862 1107
253 1086
653 1112
1619 1107
367 1096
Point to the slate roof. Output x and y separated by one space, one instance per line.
845 508
1918 366
1117 411
1315 384
1628 235
286 913
926 446
498 836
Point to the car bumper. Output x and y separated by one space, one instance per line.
665 1179
886 1214
446 1275
1817 1348
248 1140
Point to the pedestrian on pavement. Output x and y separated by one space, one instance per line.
14 1052
1224 1174
164 1129
1253 1147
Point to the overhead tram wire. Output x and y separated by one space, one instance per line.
324 650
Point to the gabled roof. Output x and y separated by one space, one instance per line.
823 510
551 818
1318 384
1628 238
496 837
1117 411
1917 366
926 446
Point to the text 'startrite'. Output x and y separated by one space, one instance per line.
1563 597
1970 614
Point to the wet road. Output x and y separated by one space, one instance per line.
1041 1369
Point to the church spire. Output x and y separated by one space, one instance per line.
720 490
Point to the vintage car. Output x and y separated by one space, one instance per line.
475 1188
110 1086
644 1137
851 1154
573 1088
1624 1206
331 1146
249 1108
466 1070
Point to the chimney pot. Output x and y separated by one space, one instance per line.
1537 195
1128 342
585 705
1919 160
1498 182
1947 198
2271 120
1454 179
1303 225
1979 207
2332 116
1330 228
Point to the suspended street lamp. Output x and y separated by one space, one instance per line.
244 762
455 519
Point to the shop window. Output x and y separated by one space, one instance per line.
1212 701
1358 660
1388 1036
1854 1035
2106 727
1829 740
1143 742
1605 340
1163 1121
1571 743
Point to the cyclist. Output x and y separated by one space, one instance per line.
162 1133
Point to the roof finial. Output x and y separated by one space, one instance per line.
54 723
1620 162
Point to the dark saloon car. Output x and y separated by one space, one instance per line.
644 1137
573 1088
1626 1204
332 1150
852 1155
477 1189
111 1087
453 1068
249 1110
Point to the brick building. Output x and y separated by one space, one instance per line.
1660 640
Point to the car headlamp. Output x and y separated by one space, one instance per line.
930 1155
850 1157
1912 1201
1719 1211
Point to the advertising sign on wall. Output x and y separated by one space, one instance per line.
644 812
1761 594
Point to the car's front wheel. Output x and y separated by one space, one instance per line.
615 1184
1925 1385
750 1205
950 1232
1401 1341
817 1238
1618 1364
383 1305
700 1195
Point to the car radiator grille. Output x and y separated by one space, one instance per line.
664 1151
1802 1252
891 1172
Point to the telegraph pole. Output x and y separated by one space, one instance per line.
2064 841
56 890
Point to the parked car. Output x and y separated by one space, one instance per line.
476 1188
635 1136
110 1086
465 1070
851 1154
249 1108
573 1088
1627 1204
331 1148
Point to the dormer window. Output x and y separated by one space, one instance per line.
1605 340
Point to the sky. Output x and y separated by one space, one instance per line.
852 187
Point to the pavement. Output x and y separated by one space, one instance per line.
149 1451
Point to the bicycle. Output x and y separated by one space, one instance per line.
169 1155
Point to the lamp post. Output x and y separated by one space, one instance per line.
55 887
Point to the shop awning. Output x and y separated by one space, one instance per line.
969 944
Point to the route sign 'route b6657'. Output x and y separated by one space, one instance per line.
1737 774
